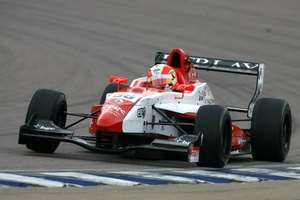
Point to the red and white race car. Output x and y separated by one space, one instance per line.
168 111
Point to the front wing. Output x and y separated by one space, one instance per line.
185 145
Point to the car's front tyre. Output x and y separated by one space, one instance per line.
213 125
46 105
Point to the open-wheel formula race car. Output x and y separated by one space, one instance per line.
181 118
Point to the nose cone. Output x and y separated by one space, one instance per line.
111 118
108 122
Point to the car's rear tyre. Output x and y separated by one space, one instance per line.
110 88
213 125
46 105
271 129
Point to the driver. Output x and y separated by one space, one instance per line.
161 76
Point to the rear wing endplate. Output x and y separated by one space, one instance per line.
227 66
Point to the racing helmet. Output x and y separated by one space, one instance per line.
161 76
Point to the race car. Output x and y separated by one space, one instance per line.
167 111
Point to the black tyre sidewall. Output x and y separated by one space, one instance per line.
214 122
47 105
110 88
267 140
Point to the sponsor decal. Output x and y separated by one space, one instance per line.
42 127
219 62
129 96
193 156
124 96
117 100
185 139
141 112
120 98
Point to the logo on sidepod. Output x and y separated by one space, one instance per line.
141 112
122 96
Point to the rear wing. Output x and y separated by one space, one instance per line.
227 66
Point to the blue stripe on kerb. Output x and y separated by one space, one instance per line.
142 180
263 177
13 184
155 180
68 180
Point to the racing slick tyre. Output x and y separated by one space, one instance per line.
213 125
271 129
110 88
47 105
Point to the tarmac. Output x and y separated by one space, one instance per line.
74 45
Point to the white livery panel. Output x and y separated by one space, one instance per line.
142 112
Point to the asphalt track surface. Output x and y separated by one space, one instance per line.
73 46
249 191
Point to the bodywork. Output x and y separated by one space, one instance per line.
139 117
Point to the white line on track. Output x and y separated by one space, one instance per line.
215 174
31 180
93 178
270 172
294 168
162 177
